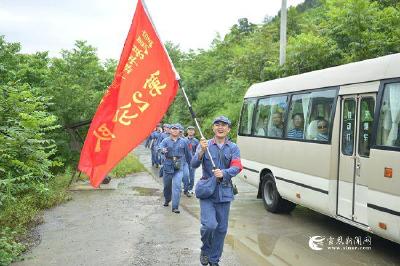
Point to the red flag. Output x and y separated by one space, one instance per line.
144 86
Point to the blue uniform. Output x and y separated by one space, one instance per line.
172 178
186 172
189 183
153 146
162 136
148 140
215 210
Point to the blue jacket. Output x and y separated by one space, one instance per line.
162 136
192 143
178 148
154 136
226 158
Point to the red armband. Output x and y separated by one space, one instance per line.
237 163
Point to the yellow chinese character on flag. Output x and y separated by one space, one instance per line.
154 85
132 60
102 133
125 119
138 52
128 68
143 45
147 38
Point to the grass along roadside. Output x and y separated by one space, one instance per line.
19 216
129 165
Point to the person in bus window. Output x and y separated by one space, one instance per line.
276 130
261 125
297 132
322 127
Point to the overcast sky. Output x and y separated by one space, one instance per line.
52 25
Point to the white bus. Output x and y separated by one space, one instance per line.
328 140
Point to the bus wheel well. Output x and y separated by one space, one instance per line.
263 173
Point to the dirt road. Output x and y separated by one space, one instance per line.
126 224
123 223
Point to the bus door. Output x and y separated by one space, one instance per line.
357 114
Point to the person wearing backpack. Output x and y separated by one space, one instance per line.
214 208
176 154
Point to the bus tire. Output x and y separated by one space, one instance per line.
273 202
287 206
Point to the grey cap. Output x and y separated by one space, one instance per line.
177 126
167 125
222 119
190 127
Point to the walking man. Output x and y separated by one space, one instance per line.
185 178
176 154
192 143
163 135
214 211
153 146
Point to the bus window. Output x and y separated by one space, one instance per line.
365 127
276 118
261 119
349 112
389 117
247 116
317 121
269 117
310 115
295 125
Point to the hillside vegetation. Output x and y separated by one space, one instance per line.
41 96
321 34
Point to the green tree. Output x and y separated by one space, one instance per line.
8 60
76 84
78 81
307 52
25 150
361 29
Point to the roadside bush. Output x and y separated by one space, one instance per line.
130 164
9 248
19 214
25 150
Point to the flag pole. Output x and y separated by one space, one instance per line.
195 121
180 85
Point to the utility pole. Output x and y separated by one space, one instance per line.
282 48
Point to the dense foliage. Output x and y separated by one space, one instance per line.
41 96
321 34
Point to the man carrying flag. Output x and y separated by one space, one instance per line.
144 85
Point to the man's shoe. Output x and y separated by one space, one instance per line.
214 264
188 195
176 211
203 258
166 204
